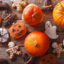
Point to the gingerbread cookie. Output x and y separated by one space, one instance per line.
19 4
13 50
58 48
48 59
18 30
4 36
9 20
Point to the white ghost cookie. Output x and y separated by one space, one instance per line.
50 30
4 36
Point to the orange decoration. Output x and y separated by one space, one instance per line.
36 43
32 14
17 30
58 14
48 59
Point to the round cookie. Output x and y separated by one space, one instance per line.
4 36
48 59
17 30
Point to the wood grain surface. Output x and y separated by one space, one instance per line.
40 27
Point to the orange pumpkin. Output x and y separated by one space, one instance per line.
32 14
36 43
58 14
17 30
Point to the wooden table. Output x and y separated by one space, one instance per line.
40 27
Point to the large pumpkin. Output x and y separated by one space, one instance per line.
36 43
58 14
17 30
32 14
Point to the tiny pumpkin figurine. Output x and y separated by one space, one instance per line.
17 30
36 43
58 14
32 14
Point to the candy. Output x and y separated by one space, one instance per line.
9 20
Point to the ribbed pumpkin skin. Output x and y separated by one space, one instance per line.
58 14
29 11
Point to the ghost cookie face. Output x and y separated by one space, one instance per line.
17 30
4 36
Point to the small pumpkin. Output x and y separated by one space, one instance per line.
58 14
36 43
32 14
17 30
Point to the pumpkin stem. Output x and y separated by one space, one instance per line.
34 14
35 43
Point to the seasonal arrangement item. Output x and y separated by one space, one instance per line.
58 14
4 6
4 36
58 48
48 59
0 21
19 4
28 61
13 50
50 30
3 60
48 5
17 30
9 20
32 14
36 43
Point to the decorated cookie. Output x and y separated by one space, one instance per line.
4 36
58 48
50 30
4 6
19 4
18 30
13 50
9 20
48 59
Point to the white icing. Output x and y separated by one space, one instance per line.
50 30
11 44
54 45
4 34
